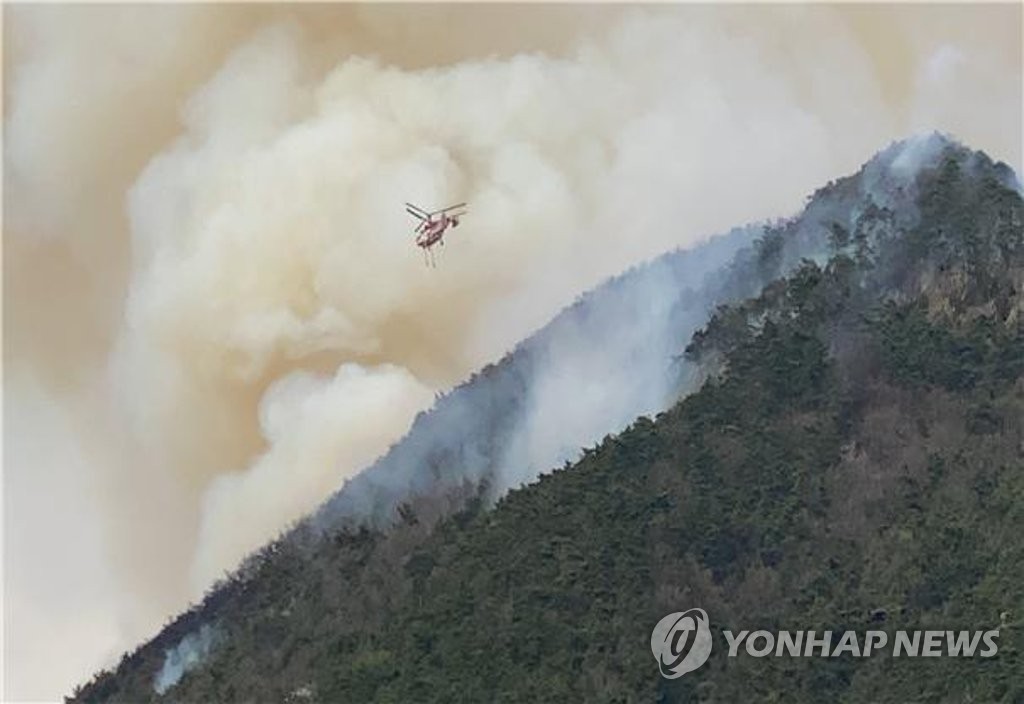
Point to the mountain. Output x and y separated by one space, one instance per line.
837 442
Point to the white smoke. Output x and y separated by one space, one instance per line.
186 655
582 391
210 272
317 430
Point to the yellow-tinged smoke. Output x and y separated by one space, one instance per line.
214 313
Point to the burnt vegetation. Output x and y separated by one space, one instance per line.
854 459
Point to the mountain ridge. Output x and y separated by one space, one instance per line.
785 248
732 256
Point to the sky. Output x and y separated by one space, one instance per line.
213 311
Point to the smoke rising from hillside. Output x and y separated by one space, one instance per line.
190 652
212 301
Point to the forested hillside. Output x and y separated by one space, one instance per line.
854 458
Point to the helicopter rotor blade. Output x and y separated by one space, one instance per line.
416 209
450 207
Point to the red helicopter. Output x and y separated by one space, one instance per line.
433 225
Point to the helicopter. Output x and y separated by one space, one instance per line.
433 226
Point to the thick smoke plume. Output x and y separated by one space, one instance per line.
214 315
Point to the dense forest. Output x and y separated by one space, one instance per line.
853 458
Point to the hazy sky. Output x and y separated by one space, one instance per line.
213 312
